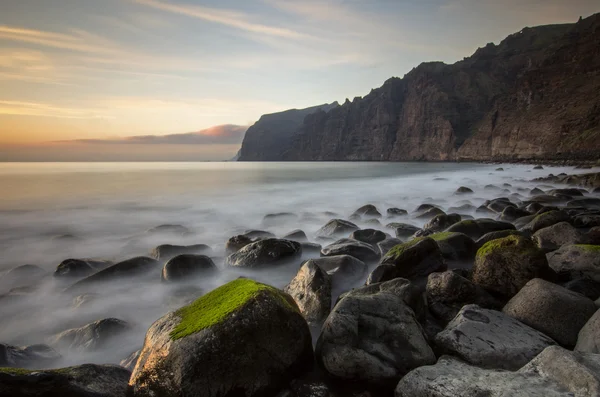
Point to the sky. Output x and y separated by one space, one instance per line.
110 80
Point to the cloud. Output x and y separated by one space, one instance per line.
224 17
217 135
21 108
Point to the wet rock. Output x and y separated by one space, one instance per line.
430 214
584 286
496 235
545 220
491 339
91 337
438 223
130 361
576 261
477 228
296 235
279 218
127 269
585 202
448 292
236 243
311 249
265 253
455 246
372 338
396 212
337 227
462 209
367 211
343 269
167 251
88 380
253 336
311 289
463 190
80 267
504 266
551 309
388 244
533 207
404 230
511 214
538 167
186 267
417 258
369 236
586 220
499 205
258 234
553 237
34 356
358 249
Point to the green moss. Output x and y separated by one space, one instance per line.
442 235
215 306
399 249
588 247
510 241
15 371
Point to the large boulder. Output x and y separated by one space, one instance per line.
265 253
186 267
448 292
586 220
343 269
491 339
553 237
311 289
576 261
369 236
363 251
588 339
496 235
403 230
34 356
236 243
451 377
478 227
241 339
296 235
546 219
438 223
128 269
88 380
551 309
386 245
80 267
510 214
336 227
367 211
167 251
455 246
373 338
91 337
505 265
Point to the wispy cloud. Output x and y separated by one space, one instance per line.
229 18
21 108
217 135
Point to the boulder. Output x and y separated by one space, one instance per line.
128 269
588 339
369 236
367 211
236 243
477 228
417 258
88 380
499 205
462 209
511 214
311 289
336 227
186 267
311 249
448 292
496 235
265 253
296 235
584 286
279 218
463 190
388 244
91 337
241 339
491 339
258 234
455 246
343 269
551 309
21 276
372 338
80 267
553 237
167 251
538 167
358 249
396 212
451 377
546 219
504 266
576 261
586 220
585 202
430 213
404 230
438 223
34 356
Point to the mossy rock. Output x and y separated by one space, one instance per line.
505 265
477 228
455 246
546 219
576 261
244 337
416 258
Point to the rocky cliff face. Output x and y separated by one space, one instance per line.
536 95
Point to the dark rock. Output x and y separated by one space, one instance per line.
337 227
167 251
496 235
394 212
546 219
588 339
236 243
553 237
504 266
584 286
311 249
358 249
430 214
511 214
343 269
576 261
416 258
538 167
80 267
477 228
367 211
256 344
585 220
129 268
491 339
438 223
256 234
533 207
88 380
296 235
34 356
185 267
265 253
501 204
551 309
455 246
388 244
404 230
463 190
586 202
92 337
500 169
369 236
311 289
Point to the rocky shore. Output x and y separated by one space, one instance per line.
461 299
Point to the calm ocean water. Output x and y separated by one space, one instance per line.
53 211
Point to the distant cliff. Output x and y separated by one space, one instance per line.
536 95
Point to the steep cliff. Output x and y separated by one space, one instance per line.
536 95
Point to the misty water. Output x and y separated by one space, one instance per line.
53 211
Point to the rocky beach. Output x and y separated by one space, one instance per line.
483 280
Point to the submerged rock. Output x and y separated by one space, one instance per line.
129 268
367 211
477 228
363 251
369 236
167 251
80 267
185 267
336 227
343 269
91 337
236 243
265 253
34 356
244 338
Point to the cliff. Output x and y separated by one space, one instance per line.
536 95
